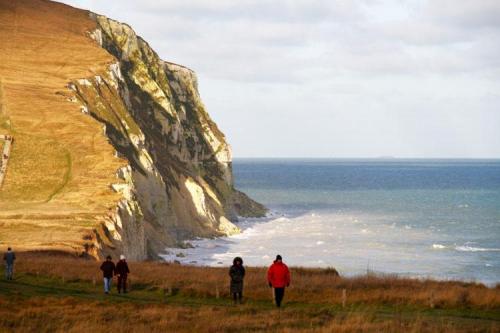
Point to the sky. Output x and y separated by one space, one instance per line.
330 78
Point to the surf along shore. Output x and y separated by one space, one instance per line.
55 292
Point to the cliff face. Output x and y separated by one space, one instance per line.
113 150
178 179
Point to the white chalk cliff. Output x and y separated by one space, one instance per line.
178 180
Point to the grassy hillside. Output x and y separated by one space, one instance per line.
61 164
53 293
73 108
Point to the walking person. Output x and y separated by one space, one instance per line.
237 274
9 257
122 271
108 269
278 277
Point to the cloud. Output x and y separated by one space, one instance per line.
256 10
241 40
354 78
466 14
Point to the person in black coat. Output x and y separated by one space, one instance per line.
107 268
237 274
122 271
9 257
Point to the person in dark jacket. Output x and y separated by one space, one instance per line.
237 274
278 277
108 269
122 271
9 257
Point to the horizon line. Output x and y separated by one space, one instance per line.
367 158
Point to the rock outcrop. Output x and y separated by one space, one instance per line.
177 182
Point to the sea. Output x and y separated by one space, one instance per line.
437 218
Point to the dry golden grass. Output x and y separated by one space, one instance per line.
61 163
71 315
309 285
55 294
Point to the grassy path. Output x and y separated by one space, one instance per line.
26 286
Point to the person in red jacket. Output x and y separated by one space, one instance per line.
278 277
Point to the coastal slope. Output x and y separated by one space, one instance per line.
113 150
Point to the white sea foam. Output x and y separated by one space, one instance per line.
335 240
466 248
302 241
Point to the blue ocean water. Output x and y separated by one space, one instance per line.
438 218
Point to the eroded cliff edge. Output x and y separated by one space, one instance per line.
177 182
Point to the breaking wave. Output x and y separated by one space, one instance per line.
467 248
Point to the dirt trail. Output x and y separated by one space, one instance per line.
5 156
